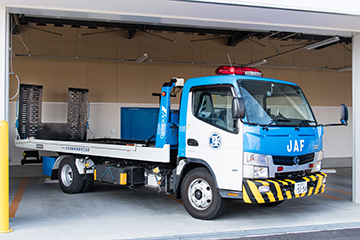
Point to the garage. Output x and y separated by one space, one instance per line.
123 54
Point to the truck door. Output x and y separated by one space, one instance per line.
214 136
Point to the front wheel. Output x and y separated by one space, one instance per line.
200 196
70 180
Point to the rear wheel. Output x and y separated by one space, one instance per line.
70 179
200 196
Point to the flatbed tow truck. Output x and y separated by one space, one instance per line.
236 135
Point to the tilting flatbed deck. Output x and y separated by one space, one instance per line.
133 151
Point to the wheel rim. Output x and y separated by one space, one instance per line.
200 194
67 175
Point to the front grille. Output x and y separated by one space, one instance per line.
289 161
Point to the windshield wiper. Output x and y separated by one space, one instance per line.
283 119
302 123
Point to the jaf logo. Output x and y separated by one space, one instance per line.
215 141
296 147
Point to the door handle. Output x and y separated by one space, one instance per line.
192 142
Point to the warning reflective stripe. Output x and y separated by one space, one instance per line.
323 185
290 181
271 196
306 179
278 190
288 194
95 174
283 182
313 178
310 191
256 192
245 196
319 183
322 188
247 190
264 183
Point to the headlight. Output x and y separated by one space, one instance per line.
261 172
255 159
256 165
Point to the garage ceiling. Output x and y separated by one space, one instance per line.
192 14
234 23
233 36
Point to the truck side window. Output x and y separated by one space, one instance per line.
213 106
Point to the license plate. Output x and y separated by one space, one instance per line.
300 187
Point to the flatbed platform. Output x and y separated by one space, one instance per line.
123 149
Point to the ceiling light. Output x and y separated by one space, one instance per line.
257 63
346 68
322 43
141 58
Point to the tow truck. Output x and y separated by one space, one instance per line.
236 135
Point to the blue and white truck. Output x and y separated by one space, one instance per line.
236 135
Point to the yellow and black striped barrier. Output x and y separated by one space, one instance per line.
280 190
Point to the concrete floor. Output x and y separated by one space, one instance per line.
111 212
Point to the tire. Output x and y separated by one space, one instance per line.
69 178
200 196
88 183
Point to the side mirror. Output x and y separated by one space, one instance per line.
238 108
344 114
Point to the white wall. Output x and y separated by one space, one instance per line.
337 140
106 116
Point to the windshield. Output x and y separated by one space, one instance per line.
275 104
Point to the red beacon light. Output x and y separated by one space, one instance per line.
248 71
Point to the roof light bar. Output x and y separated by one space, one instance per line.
248 71
322 43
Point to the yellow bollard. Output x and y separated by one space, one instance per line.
4 177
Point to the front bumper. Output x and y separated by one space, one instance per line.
282 189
